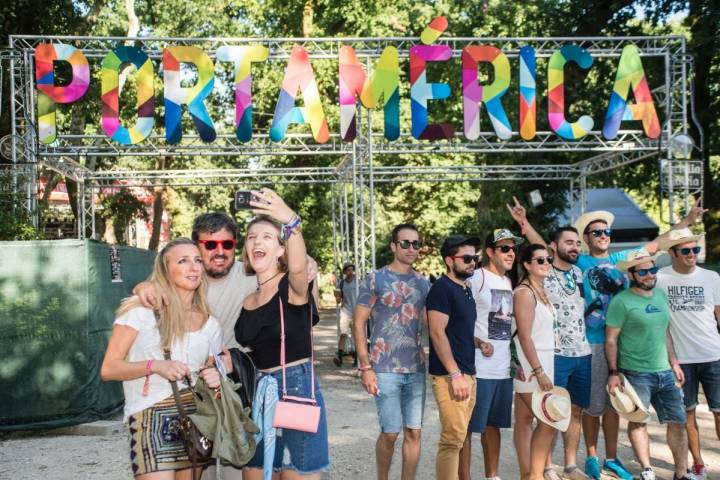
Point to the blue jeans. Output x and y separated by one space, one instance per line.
708 374
303 452
659 390
573 373
401 401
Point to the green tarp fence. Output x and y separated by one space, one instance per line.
57 304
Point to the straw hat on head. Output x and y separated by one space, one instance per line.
637 257
676 237
627 403
590 217
552 407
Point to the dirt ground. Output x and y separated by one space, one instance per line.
50 455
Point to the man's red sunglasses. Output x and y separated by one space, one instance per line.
213 244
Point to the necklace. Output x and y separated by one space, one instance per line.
571 282
260 284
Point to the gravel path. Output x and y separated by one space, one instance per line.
353 429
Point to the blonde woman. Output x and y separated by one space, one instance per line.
135 355
535 343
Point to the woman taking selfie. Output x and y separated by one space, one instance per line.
136 356
274 251
535 342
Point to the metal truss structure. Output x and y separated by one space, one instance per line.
354 178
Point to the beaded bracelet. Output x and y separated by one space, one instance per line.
287 229
146 385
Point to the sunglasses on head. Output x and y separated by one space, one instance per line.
467 258
542 260
505 248
599 232
687 250
405 244
641 272
213 244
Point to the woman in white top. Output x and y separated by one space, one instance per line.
535 343
135 356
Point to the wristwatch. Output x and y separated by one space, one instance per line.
613 371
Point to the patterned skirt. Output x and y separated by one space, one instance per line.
155 443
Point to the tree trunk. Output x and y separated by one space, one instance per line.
307 19
158 209
704 21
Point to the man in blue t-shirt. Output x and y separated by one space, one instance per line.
451 320
394 368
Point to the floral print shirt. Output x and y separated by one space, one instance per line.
397 301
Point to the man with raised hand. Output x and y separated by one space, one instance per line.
492 291
451 321
572 350
394 369
599 282
694 296
639 346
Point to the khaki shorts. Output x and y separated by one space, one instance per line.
344 324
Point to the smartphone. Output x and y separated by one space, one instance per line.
243 199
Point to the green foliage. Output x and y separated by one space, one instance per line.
123 207
15 220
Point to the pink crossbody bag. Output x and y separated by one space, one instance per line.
297 413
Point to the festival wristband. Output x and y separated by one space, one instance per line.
364 368
455 374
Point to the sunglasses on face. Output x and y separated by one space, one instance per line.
467 258
686 251
641 272
405 244
542 260
505 248
599 232
213 244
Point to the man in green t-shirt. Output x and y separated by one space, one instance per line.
638 344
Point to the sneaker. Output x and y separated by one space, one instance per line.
699 472
618 469
551 474
337 360
592 467
688 476
647 475
574 474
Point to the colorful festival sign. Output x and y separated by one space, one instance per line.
378 87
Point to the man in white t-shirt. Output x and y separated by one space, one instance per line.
694 298
492 291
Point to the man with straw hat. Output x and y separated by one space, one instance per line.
638 345
694 296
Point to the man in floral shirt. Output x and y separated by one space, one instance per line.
394 368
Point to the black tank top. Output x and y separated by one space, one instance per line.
259 329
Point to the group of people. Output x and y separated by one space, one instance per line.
582 337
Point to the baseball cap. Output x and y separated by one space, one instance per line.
456 241
502 234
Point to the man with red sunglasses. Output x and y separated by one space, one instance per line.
694 296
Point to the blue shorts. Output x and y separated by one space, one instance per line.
303 452
659 390
493 404
707 374
401 401
573 373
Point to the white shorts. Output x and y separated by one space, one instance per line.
344 324
547 361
